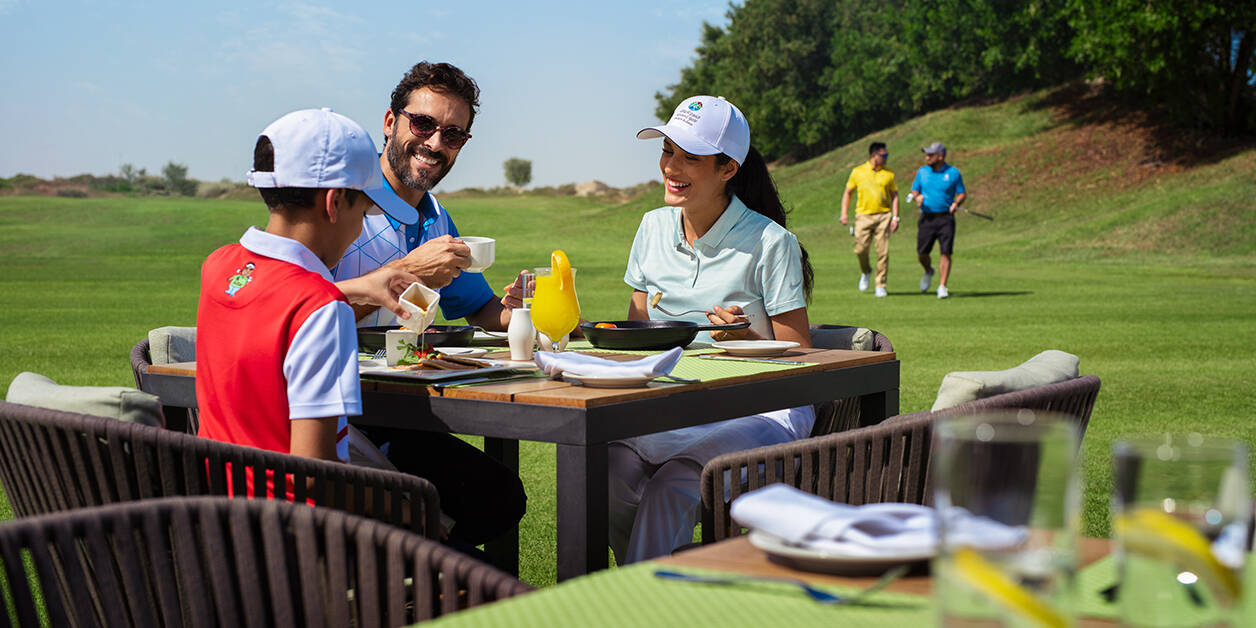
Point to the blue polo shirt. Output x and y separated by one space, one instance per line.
384 240
938 188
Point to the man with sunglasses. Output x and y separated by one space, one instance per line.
427 123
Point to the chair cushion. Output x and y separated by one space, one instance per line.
856 338
1048 367
117 402
172 344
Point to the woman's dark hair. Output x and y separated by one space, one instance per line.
285 198
754 186
441 77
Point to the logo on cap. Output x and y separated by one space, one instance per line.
695 105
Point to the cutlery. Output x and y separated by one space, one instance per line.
487 379
380 354
733 358
681 380
654 303
824 597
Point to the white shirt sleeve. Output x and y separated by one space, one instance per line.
322 365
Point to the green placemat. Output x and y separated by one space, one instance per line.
1102 574
632 596
693 367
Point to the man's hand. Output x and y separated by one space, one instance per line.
893 224
437 261
842 217
724 316
380 287
512 294
954 206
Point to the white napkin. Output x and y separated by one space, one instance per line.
591 366
871 530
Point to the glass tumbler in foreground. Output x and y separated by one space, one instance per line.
1181 510
1006 491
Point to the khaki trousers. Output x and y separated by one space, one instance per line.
870 228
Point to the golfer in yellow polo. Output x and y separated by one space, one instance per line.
876 214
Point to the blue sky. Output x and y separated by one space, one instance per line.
89 86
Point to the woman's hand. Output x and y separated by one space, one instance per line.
512 295
733 314
380 287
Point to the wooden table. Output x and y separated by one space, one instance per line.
737 555
582 421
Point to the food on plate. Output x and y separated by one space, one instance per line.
605 326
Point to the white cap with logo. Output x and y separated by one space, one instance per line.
705 125
318 148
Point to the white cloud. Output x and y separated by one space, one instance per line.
9 6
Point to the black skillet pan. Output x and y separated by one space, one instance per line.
648 334
371 339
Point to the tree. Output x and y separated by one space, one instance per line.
177 180
518 171
1198 58
128 173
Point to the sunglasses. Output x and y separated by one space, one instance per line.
424 126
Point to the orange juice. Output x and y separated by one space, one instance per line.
555 308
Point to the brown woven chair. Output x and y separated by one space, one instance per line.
840 415
211 561
183 419
52 460
888 462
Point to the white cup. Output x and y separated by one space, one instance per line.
420 301
483 251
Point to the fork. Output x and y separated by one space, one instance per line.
654 303
823 597
380 354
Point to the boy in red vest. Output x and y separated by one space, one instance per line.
276 342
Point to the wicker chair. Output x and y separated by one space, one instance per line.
183 419
888 462
840 415
211 561
52 460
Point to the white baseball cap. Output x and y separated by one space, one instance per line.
318 148
705 125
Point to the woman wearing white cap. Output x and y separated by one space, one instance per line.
719 246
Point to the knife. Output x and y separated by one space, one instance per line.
487 379
731 358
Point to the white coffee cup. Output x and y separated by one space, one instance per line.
483 251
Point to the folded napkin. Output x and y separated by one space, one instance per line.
591 366
871 530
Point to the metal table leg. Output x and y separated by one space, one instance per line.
504 550
582 504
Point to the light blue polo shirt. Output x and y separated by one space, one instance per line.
939 188
745 259
384 240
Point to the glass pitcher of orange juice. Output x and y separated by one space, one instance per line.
555 309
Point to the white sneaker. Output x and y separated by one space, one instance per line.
863 282
942 292
925 280
881 292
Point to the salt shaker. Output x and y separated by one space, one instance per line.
520 334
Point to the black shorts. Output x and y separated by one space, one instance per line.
939 227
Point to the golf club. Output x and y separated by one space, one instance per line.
968 211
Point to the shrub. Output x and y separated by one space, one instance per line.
71 193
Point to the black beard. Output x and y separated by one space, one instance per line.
399 159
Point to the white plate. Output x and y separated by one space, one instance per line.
466 352
755 348
808 559
490 337
607 382
378 368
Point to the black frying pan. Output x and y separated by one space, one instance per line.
648 334
371 339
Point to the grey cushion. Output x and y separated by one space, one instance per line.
117 402
172 344
1048 367
857 338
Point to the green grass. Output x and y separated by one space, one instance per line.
1147 275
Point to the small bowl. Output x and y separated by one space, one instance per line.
371 339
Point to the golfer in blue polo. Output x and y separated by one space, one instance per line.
939 188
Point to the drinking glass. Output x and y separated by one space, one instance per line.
529 287
1181 509
555 308
1007 497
